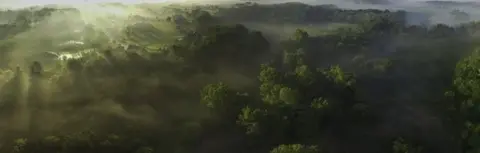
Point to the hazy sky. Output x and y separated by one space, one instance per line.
23 3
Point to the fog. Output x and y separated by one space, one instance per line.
91 31
438 12
434 10
97 16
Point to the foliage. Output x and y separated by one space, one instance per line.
201 79
399 146
295 148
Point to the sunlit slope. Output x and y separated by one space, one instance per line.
88 27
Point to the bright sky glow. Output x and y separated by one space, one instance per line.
23 3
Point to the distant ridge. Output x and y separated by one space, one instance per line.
453 3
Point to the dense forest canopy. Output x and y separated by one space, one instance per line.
243 78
